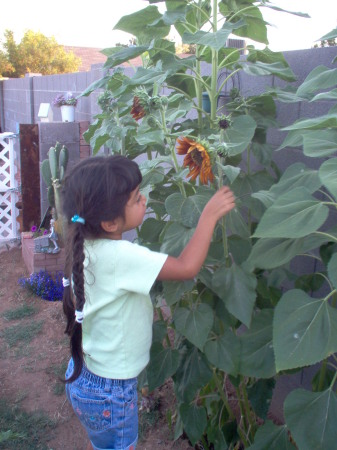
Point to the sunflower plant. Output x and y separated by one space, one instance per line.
238 326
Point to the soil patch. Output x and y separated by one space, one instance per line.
33 355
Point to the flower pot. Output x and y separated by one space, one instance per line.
206 103
68 113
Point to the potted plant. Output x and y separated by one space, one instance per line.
67 102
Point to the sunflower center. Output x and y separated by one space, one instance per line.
196 157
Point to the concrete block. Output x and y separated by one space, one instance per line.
64 132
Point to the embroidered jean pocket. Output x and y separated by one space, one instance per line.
95 412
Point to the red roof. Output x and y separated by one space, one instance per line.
88 56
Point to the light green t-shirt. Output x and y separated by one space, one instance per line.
118 313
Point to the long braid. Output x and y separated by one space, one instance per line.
68 304
75 328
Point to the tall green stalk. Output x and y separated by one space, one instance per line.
198 85
214 78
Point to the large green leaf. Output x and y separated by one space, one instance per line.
192 208
331 35
326 121
320 143
146 76
320 77
140 24
311 418
260 395
230 172
272 253
195 324
215 40
266 56
194 419
264 69
174 204
193 373
173 291
151 229
305 330
163 364
254 26
176 238
240 134
150 137
236 288
297 175
330 95
256 353
118 55
332 270
223 352
237 224
327 173
294 214
187 210
239 248
272 437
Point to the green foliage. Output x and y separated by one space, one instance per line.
21 332
35 53
20 312
246 317
19 429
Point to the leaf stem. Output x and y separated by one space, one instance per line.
172 150
322 374
223 396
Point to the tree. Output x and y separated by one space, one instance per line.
35 53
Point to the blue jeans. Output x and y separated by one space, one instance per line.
106 408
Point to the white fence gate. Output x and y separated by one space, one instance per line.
8 189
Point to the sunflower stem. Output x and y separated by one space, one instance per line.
223 219
214 79
172 150
198 86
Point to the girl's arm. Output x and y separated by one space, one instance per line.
189 263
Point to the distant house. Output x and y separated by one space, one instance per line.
88 55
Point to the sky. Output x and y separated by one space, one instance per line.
77 23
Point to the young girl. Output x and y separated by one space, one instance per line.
106 297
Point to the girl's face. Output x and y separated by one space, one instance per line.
134 210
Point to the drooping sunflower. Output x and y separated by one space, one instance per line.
137 110
197 159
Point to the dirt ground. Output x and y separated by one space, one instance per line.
29 371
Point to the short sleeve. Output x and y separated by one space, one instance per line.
137 267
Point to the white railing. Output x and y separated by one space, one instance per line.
8 188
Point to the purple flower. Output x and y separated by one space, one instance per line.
33 229
65 99
45 232
44 285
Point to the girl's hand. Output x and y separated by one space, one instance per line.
189 262
220 204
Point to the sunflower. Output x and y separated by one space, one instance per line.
197 159
137 110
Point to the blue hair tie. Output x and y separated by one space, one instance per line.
78 219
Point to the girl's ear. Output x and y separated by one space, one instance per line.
110 226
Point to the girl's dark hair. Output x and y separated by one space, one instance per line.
97 189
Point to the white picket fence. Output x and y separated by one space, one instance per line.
8 189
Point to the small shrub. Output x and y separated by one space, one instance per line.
44 285
19 313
